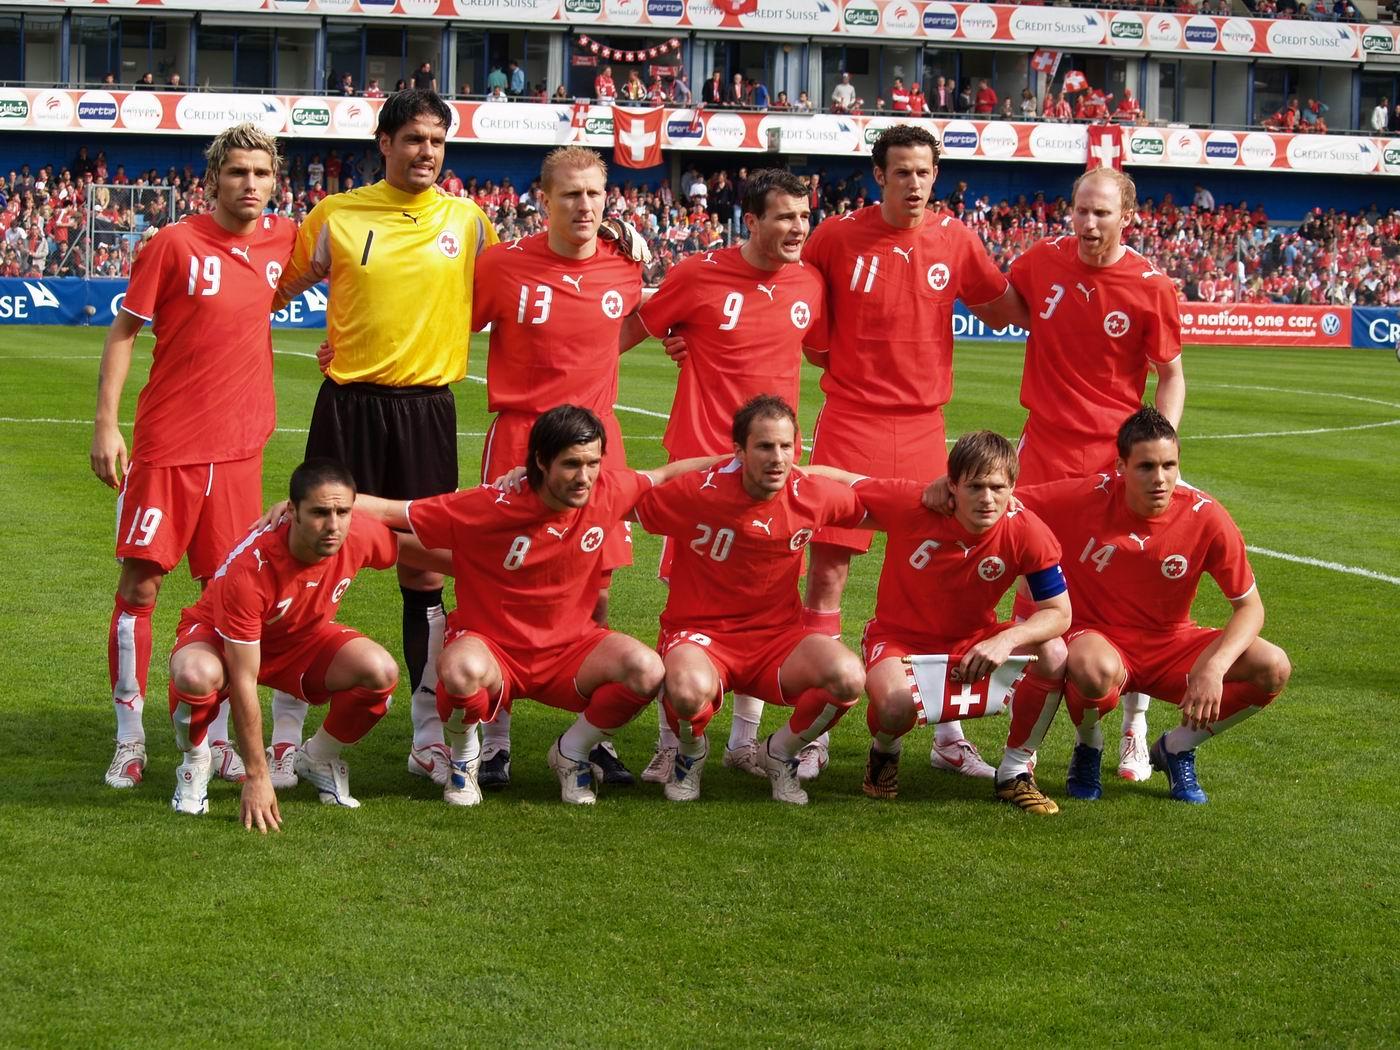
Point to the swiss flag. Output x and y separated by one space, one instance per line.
737 7
940 698
637 136
697 118
1105 147
1075 80
1045 61
580 117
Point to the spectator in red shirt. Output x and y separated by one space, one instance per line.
986 100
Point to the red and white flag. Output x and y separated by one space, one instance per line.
1045 61
737 7
637 136
1075 80
697 118
1105 147
580 118
939 698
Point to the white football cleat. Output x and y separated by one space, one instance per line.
782 772
1134 763
192 784
961 756
745 759
128 764
226 762
575 778
658 770
281 765
461 788
684 785
331 779
812 760
433 762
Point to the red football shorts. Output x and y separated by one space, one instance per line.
204 510
544 675
299 667
878 445
878 644
1047 456
1157 661
507 447
747 662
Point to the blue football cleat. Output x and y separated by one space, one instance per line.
1180 768
1082 780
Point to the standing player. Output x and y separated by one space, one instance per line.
556 302
975 554
892 271
1138 545
400 257
526 567
743 314
268 618
733 618
193 483
1100 317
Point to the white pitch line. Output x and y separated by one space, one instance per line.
279 430
1289 433
1318 563
619 408
1294 433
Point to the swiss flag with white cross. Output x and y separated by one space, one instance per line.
637 137
939 697
1105 147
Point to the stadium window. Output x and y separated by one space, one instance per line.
216 48
41 48
296 59
1197 98
253 57
11 33
345 53
1374 87
939 63
1273 86
471 71
897 61
852 60
97 43
534 58
423 45
385 57
1232 93
1167 102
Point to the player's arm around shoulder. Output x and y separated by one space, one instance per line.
310 261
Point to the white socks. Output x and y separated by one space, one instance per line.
288 718
743 729
579 739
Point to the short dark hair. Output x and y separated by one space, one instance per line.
770 180
902 135
979 453
315 472
402 106
1146 424
764 406
563 426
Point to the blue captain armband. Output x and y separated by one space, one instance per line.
1047 583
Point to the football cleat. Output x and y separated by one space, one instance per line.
226 762
575 778
1022 791
782 773
430 761
281 765
608 768
192 784
1180 768
493 774
1082 778
331 779
128 764
1133 761
881 775
745 758
960 756
658 770
684 785
462 788
812 760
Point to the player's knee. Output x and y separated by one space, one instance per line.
1275 669
846 679
688 691
139 583
463 673
642 670
893 709
1051 658
1094 673
196 675
381 671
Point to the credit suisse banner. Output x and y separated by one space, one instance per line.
972 23
545 124
75 301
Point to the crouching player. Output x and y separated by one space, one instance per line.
268 617
1139 544
527 566
733 618
939 587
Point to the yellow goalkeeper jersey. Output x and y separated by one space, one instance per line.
400 267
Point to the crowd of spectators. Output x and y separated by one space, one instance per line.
1215 252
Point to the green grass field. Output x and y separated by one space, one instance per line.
1271 916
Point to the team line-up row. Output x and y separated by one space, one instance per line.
867 298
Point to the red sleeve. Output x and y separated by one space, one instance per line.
1021 272
1163 339
1227 561
888 500
433 520
148 275
1039 548
818 334
242 605
840 504
379 545
982 282
623 488
663 511
814 251
672 301
484 283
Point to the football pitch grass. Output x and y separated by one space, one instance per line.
1270 916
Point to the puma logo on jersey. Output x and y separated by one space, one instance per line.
577 282
258 555
965 548
558 534
1087 292
501 498
240 252
1102 486
1141 541
515 246
766 526
411 218
905 253
313 583
767 290
709 258
1195 507
709 482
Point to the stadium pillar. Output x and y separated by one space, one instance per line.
65 46
319 58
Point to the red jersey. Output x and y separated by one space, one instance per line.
207 294
554 322
1139 573
738 559
939 580
744 329
262 593
526 576
890 292
1094 330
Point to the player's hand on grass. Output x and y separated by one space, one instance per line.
983 658
273 514
675 347
258 808
938 497
324 356
108 455
629 242
1201 704
512 480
